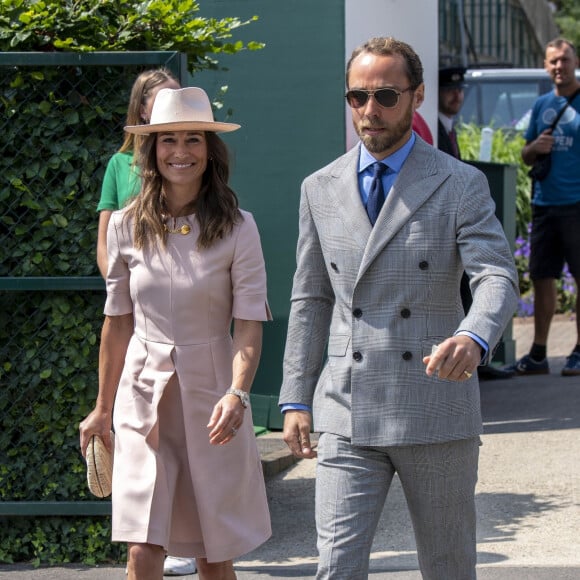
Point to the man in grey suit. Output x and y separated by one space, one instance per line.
377 285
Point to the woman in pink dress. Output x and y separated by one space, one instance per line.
184 262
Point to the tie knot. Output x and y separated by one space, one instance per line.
379 169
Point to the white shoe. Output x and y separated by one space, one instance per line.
174 566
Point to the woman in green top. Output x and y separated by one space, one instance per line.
121 181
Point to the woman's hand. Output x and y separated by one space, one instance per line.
228 414
115 336
226 419
96 423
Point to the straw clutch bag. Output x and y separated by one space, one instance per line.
99 466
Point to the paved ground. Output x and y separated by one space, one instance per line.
528 495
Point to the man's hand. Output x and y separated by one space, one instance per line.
297 426
544 143
540 146
455 359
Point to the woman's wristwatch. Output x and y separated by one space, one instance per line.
242 395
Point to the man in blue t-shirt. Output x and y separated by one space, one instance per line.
555 235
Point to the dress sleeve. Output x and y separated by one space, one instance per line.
118 275
249 274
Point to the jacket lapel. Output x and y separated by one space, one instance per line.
418 180
344 183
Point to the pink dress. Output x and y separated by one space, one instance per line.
170 486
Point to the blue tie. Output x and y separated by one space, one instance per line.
376 192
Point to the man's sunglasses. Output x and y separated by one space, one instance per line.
387 98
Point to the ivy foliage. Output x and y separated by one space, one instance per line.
58 128
119 25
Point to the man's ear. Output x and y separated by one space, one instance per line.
418 96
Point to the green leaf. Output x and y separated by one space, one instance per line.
44 107
60 220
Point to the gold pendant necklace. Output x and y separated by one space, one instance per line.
183 230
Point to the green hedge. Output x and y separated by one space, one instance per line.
59 128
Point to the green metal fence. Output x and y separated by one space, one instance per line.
61 117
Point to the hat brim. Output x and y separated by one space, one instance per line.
99 467
452 86
215 127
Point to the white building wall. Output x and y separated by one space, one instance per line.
412 21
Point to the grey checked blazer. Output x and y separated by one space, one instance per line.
380 297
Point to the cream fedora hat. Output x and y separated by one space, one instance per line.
186 109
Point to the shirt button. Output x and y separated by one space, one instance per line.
407 355
423 265
357 356
405 313
357 312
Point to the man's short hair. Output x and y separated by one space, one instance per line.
559 43
389 46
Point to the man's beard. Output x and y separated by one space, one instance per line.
392 135
565 81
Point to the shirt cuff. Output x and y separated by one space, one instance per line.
294 407
480 341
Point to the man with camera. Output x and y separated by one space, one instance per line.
553 141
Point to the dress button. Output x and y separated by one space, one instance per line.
357 312
357 356
423 265
405 313
407 355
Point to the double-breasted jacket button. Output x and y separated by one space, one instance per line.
423 265
357 356
407 355
357 312
405 313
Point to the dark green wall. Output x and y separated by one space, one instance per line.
288 98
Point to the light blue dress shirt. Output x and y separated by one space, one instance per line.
394 163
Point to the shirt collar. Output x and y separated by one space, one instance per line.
394 161
446 121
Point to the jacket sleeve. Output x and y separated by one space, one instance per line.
310 313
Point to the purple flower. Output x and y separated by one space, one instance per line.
525 306
566 286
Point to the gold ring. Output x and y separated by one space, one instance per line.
468 374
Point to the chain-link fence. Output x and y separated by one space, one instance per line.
61 118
